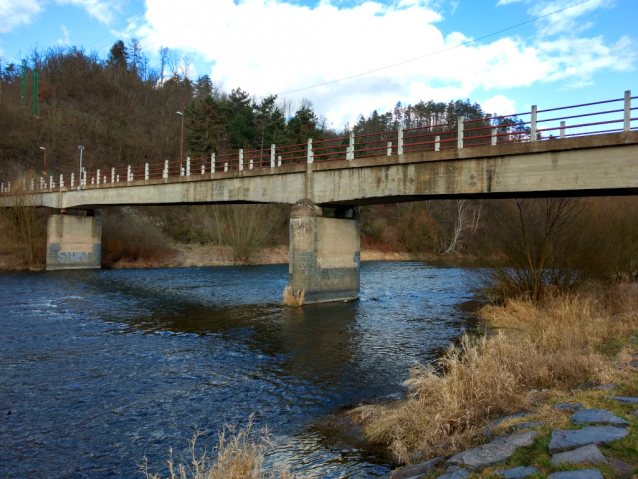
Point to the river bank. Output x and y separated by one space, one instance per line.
189 255
538 364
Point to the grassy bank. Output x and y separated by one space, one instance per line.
551 347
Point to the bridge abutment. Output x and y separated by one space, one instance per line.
74 240
324 253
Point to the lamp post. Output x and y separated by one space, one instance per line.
181 148
81 148
44 166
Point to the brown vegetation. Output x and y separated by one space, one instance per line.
555 344
237 454
293 298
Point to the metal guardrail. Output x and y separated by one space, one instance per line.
491 130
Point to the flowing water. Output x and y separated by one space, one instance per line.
100 369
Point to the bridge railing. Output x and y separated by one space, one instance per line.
602 117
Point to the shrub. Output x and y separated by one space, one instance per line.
127 236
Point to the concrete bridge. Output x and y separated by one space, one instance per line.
495 157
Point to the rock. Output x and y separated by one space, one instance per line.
607 387
588 453
598 416
634 364
498 450
568 406
564 440
511 416
634 414
455 472
517 472
623 399
586 386
525 425
417 469
582 474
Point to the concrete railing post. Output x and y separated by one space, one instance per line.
93 180
459 136
562 130
112 175
279 160
32 184
61 182
225 166
400 140
165 172
98 176
50 182
117 179
128 176
310 155
627 123
389 148
272 155
241 159
250 164
212 163
350 151
146 171
437 143
494 137
533 123
72 180
188 166
203 168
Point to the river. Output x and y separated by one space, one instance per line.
100 369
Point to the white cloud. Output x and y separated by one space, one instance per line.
565 21
499 104
64 41
103 11
272 47
14 13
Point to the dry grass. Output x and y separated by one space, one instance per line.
293 298
564 342
237 455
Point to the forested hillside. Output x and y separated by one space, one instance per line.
123 111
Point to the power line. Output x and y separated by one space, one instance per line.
433 53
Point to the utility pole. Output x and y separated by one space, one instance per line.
81 148
181 148
23 85
44 166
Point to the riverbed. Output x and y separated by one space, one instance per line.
101 369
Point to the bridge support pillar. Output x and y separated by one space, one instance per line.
324 253
74 240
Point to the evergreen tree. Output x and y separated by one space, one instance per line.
118 55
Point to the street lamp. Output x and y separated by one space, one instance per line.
81 148
44 167
181 148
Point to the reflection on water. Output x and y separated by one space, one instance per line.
103 368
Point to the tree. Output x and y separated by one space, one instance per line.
118 55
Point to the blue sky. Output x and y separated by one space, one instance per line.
584 53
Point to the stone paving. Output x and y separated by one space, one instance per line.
569 446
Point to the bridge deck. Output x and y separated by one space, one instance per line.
589 165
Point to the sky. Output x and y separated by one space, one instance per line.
489 51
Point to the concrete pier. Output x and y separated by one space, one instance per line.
74 240
324 253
